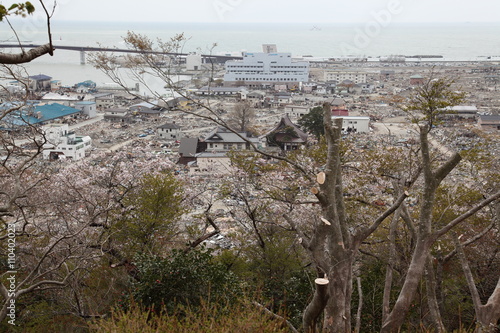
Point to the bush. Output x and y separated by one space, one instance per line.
183 279
208 317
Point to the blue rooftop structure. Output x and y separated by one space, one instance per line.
41 114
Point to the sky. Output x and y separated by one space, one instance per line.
279 11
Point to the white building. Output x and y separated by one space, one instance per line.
340 75
193 62
355 124
295 112
266 69
169 131
211 163
105 100
62 144
87 107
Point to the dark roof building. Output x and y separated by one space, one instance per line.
286 135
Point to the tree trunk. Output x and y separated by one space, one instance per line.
430 284
390 265
397 316
487 315
360 306
337 313
316 307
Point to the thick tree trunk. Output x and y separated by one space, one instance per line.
316 307
337 314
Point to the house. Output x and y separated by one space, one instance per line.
416 80
256 98
39 82
188 149
386 74
282 98
118 115
286 135
210 163
88 108
355 124
105 100
55 85
308 87
489 122
364 88
85 87
339 108
151 109
169 131
221 139
62 144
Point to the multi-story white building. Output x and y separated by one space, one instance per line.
342 75
355 124
266 69
62 144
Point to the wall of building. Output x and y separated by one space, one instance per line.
267 67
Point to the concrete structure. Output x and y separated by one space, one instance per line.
341 75
193 62
295 112
208 163
265 70
355 124
169 131
62 144
88 108
105 100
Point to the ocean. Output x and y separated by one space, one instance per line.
453 41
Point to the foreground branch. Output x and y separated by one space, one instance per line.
24 57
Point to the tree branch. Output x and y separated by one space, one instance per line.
24 57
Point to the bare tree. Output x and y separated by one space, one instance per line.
242 116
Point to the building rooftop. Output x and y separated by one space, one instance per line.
42 113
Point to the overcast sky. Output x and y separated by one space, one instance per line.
306 11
